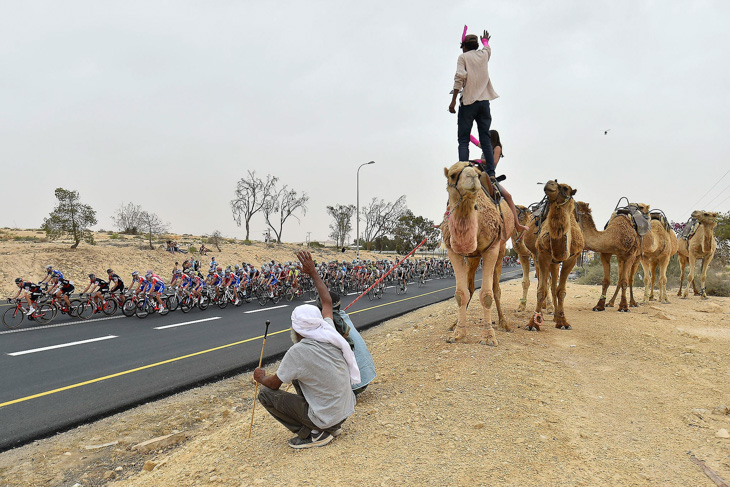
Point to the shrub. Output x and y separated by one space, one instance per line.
114 236
316 245
192 249
247 242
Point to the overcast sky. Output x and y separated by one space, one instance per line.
168 104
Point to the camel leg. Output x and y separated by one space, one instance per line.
461 295
622 283
497 291
653 279
486 296
682 266
632 274
691 276
606 263
543 270
525 263
703 274
646 265
554 273
662 269
560 321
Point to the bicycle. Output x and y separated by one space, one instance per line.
85 309
13 317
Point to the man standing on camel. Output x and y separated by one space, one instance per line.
472 79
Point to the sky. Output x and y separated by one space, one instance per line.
167 104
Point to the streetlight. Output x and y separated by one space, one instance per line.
357 238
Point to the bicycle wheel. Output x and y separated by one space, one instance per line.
13 317
223 301
204 302
129 307
371 295
142 309
277 296
398 288
84 310
262 297
110 307
421 282
172 302
289 294
44 314
74 306
186 304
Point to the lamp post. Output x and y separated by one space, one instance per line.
357 223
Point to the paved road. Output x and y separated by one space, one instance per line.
58 377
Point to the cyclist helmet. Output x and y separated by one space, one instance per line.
237 267
219 268
109 271
49 267
91 276
228 271
135 274
18 280
148 275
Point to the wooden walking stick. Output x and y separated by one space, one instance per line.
256 391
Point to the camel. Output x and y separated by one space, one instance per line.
526 249
560 241
619 239
657 247
701 245
475 228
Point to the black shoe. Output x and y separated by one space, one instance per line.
320 439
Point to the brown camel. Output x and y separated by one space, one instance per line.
475 228
526 248
619 239
701 245
560 241
657 247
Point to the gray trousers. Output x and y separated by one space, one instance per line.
291 410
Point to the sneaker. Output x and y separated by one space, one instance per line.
161 310
30 311
337 432
320 439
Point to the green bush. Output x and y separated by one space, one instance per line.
193 249
114 236
247 242
316 245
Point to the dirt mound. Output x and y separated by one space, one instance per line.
619 400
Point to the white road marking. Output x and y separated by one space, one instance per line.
62 345
186 323
58 325
265 309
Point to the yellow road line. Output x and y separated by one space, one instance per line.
119 374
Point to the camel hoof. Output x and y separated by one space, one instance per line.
679 293
599 308
633 304
489 341
563 327
624 310
521 308
532 328
453 327
704 296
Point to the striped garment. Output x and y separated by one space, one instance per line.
472 74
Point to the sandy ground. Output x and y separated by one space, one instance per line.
127 254
622 399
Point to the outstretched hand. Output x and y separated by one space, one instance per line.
486 37
307 263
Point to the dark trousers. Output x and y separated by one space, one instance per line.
468 114
291 410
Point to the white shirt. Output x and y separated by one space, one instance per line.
472 74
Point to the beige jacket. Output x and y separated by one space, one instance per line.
472 74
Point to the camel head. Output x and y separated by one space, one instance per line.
462 179
706 217
582 208
558 192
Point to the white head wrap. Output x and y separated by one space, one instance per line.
308 322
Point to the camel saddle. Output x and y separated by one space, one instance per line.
689 229
539 212
661 218
639 220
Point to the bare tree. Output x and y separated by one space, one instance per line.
341 224
216 238
127 218
381 218
251 196
151 224
281 205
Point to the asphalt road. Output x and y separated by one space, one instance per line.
63 375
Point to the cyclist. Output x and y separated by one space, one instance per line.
233 281
30 290
400 276
115 284
96 287
196 285
154 288
50 272
270 281
138 280
62 289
